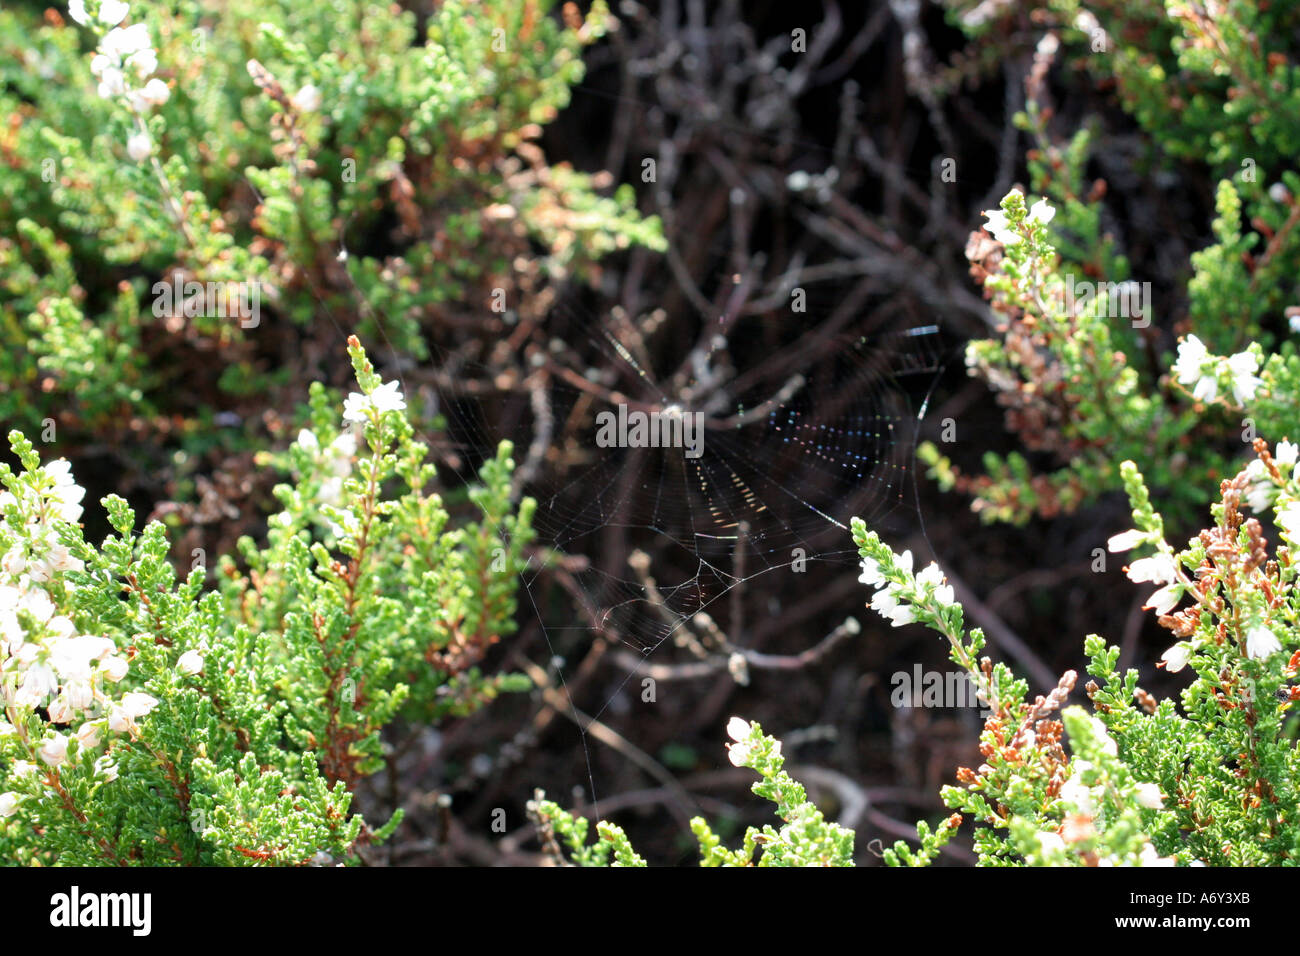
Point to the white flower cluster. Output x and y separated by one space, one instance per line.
45 663
888 600
1004 232
123 64
337 461
1197 368
1160 568
740 752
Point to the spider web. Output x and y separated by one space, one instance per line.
808 421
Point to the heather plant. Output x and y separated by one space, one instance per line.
1209 779
152 721
805 838
1077 359
215 190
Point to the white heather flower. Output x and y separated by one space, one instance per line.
1176 658
60 711
1164 600
1149 796
884 601
738 753
308 440
307 99
1149 857
122 42
1289 518
905 562
67 494
1126 540
1244 381
1108 744
384 398
1157 569
144 62
14 562
341 451
1001 227
930 575
902 615
22 768
88 736
1192 355
1285 453
153 93
8 803
39 683
1261 642
139 146
1042 212
738 729
331 492
111 12
1076 792
107 767
114 668
55 750
1051 842
136 704
871 575
191 662
77 10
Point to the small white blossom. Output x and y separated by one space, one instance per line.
384 398
1285 453
1157 569
1042 212
1149 796
1176 658
1000 227
1245 383
113 668
139 146
8 803
1164 600
55 749
1074 791
307 99
871 574
1289 518
88 736
1126 540
1192 355
1261 642
738 729
191 662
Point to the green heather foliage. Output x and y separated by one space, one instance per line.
1144 781
332 162
1083 379
148 721
806 839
